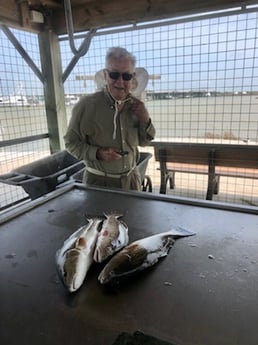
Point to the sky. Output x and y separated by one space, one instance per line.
209 54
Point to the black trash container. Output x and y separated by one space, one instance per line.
43 175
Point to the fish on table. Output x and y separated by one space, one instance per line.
112 237
140 254
76 255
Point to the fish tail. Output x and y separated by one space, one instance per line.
179 231
90 217
116 214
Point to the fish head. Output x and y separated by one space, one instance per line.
73 269
127 260
106 276
109 272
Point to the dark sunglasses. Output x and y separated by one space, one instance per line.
116 75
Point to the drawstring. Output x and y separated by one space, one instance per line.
114 119
117 103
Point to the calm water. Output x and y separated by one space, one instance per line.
233 117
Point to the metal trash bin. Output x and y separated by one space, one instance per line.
43 175
142 165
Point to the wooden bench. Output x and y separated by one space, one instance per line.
215 160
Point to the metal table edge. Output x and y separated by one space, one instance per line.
27 206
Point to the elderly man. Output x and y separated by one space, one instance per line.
107 127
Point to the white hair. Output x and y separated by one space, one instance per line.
118 53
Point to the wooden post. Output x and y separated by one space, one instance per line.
211 175
53 89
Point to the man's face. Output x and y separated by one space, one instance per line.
119 88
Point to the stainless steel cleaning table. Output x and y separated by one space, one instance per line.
204 292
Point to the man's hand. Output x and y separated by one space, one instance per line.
108 154
140 111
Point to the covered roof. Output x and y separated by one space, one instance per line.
40 15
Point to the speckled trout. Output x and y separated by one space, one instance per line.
76 256
112 237
140 255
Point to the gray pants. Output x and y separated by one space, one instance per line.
130 182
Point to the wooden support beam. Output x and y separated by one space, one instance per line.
53 89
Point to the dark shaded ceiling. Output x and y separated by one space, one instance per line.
39 15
